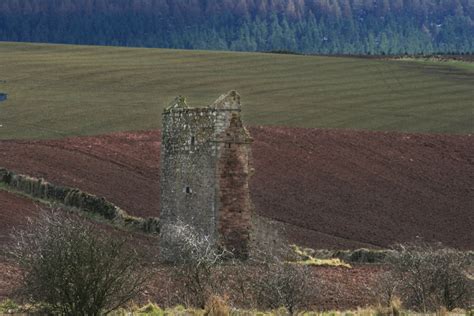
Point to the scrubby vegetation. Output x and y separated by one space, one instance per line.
218 306
69 268
428 277
197 259
283 284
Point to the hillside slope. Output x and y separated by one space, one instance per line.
343 288
58 90
328 188
310 26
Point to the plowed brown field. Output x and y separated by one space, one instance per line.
328 188
14 211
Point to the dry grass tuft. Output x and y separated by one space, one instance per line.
217 306
307 259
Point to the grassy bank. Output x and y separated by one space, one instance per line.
58 90
222 309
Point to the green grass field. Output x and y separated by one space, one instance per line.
59 90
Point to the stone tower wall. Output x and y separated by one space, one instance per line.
203 180
233 173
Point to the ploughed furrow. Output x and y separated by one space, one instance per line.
326 188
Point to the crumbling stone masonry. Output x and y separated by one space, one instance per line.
204 174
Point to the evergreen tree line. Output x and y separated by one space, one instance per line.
305 26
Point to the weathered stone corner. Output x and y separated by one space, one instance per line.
230 100
178 102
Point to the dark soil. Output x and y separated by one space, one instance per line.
14 211
327 188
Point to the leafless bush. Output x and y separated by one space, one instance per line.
385 288
73 268
197 256
266 280
431 276
278 282
284 284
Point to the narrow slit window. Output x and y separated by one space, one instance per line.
228 145
193 140
188 190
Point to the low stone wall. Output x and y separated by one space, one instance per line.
71 197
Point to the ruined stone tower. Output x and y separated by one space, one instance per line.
204 173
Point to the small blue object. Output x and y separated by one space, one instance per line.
3 96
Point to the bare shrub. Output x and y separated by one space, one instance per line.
284 284
385 289
266 280
431 276
197 256
72 268
277 281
